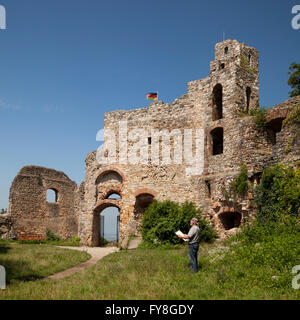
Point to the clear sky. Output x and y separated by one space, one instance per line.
64 63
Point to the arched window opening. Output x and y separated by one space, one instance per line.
274 127
248 98
217 137
230 220
217 102
52 195
113 195
226 50
249 59
144 200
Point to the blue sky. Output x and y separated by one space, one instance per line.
65 63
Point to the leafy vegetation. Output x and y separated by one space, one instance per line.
294 80
246 66
278 194
238 187
259 118
293 117
250 266
3 211
51 236
293 122
162 219
103 242
255 264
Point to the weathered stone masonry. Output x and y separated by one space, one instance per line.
30 211
219 106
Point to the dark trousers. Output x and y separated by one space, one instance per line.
193 251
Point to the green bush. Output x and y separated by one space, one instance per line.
52 236
103 242
278 194
238 187
268 250
162 219
259 119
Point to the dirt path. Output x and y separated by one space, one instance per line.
96 253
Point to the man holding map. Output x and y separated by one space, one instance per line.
193 237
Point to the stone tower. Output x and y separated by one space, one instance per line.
216 109
235 79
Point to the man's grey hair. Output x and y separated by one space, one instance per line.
195 220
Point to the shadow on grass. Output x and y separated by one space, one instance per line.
4 248
16 269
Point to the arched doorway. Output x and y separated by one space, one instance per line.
106 223
109 225
230 220
142 202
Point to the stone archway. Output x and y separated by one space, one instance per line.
107 182
143 199
104 204
230 220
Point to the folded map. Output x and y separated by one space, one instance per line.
179 233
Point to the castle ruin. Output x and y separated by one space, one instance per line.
216 114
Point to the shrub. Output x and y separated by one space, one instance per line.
52 236
162 219
273 244
238 186
278 194
259 119
103 242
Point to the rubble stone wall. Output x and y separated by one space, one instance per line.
216 109
29 209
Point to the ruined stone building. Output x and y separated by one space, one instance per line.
216 109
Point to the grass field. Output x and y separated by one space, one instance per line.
151 274
28 262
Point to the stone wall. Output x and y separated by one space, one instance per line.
135 164
218 105
5 226
32 214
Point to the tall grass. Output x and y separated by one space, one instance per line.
249 266
26 262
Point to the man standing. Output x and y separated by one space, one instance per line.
194 239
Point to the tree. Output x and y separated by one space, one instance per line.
294 80
3 211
